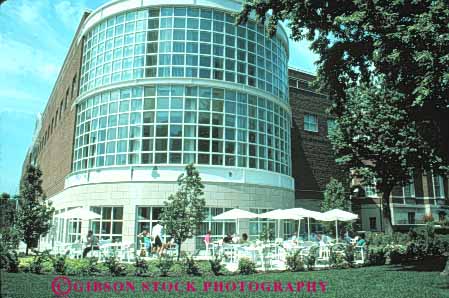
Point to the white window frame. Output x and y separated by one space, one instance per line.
370 190
409 187
100 221
330 125
309 124
438 186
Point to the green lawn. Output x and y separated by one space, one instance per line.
382 281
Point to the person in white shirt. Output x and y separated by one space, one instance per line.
157 234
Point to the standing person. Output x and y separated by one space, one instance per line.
158 234
208 238
91 243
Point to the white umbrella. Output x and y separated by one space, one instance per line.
235 214
338 215
279 214
81 213
305 213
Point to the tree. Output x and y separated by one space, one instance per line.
9 236
183 211
35 212
376 140
335 197
384 64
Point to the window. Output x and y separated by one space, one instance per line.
411 218
109 226
370 190
310 123
147 217
438 186
126 117
373 223
107 46
219 228
259 225
330 125
409 190
74 93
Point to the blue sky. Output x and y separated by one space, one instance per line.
34 39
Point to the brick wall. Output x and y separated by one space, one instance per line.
54 143
312 155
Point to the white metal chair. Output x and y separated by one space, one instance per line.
126 252
324 253
359 254
76 250
209 248
229 253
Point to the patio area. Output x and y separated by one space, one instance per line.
315 250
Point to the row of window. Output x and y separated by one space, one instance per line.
118 50
181 124
305 88
70 94
311 123
436 189
110 224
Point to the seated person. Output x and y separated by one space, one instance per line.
244 239
91 243
326 239
361 241
145 239
313 237
227 239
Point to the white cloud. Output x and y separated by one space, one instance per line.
70 13
20 58
29 12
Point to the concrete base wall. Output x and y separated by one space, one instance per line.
134 194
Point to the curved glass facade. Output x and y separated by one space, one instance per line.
183 42
180 124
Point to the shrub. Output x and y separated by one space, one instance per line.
349 255
164 264
42 262
153 270
59 264
10 261
141 266
395 253
25 264
310 259
294 262
376 256
204 267
115 267
178 268
191 266
215 265
246 266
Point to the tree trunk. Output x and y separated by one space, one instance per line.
26 250
179 250
386 213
